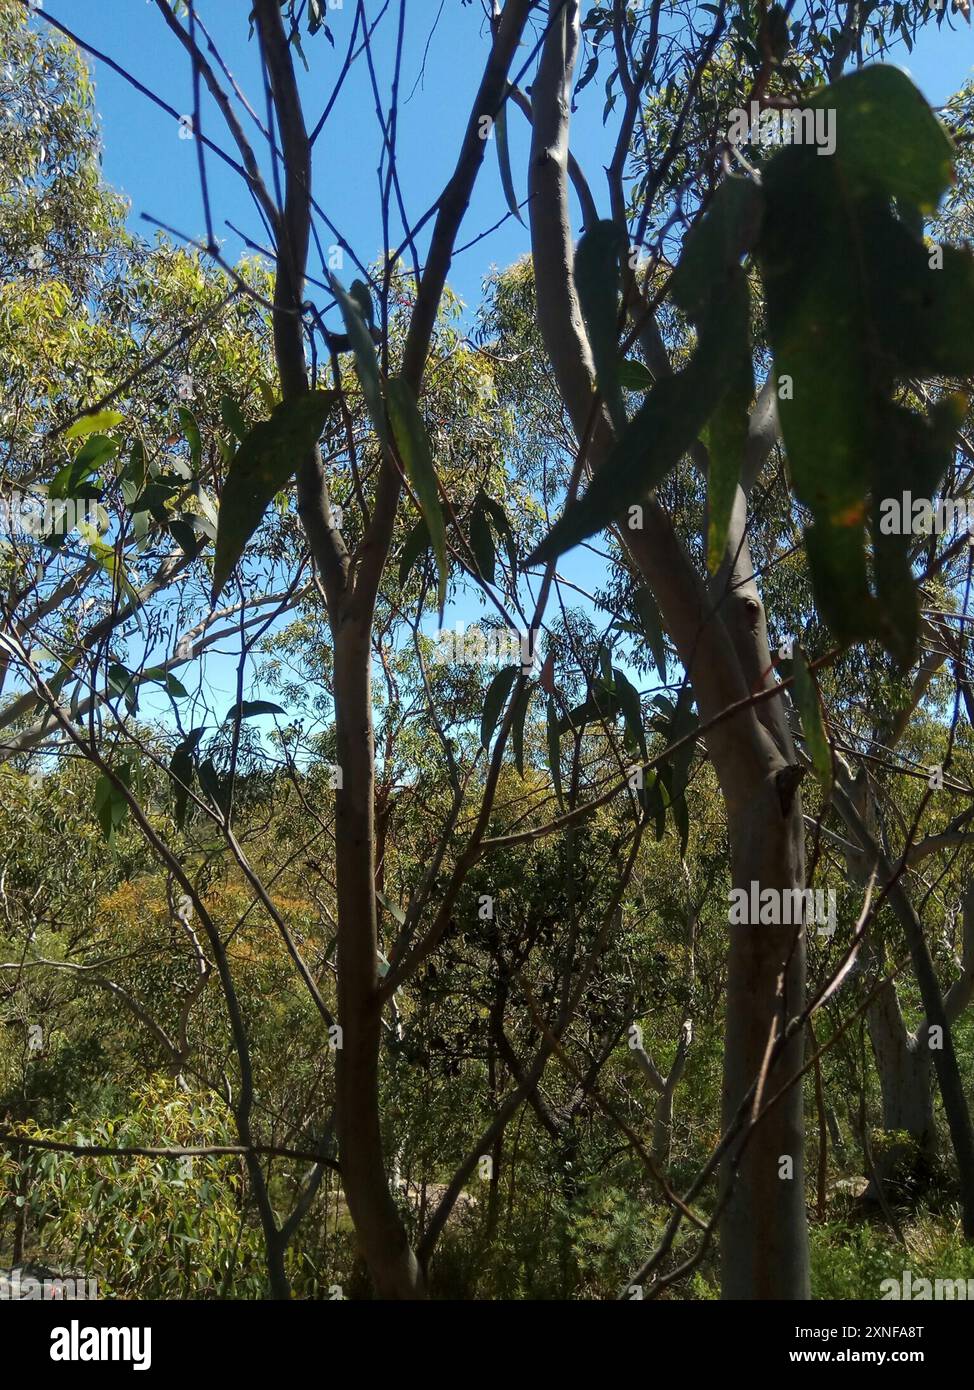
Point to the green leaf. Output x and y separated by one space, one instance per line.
191 430
184 533
631 706
494 702
233 418
414 450
414 545
635 376
394 911
809 705
74 479
217 788
888 141
848 329
602 703
121 682
598 280
502 528
504 162
249 709
358 290
554 750
111 806
366 362
482 541
181 770
522 701
710 287
261 467
156 675
88 424
652 623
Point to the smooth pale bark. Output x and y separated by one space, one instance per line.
721 639
665 1088
904 1060
905 1081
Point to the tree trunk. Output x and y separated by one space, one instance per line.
905 1080
382 1237
764 1242
722 642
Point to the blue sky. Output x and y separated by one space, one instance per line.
446 44
146 160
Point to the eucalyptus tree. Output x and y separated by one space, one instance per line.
657 301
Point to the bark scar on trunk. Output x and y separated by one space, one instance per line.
788 780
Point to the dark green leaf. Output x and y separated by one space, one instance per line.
598 280
191 430
249 709
504 162
366 362
631 706
522 700
414 545
482 541
181 769
414 450
260 468
554 750
233 418
809 706
494 702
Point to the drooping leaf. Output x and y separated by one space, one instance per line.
414 450
504 162
233 418
482 541
414 545
809 705
598 280
216 787
710 287
652 624
122 683
181 769
554 750
358 290
494 702
261 467
111 807
366 362
631 707
191 431
522 700
502 528
846 329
